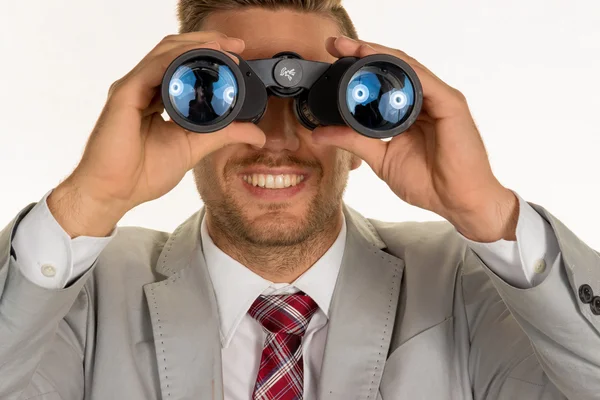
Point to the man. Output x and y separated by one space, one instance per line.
275 292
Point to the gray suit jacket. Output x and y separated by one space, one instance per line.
415 315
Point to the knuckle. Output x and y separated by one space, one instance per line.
118 90
114 86
169 38
211 45
367 46
459 95
414 61
214 33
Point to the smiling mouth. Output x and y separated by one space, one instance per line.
280 181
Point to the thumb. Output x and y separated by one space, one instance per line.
202 144
371 150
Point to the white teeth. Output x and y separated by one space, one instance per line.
279 181
273 181
270 184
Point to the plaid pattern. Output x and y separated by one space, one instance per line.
284 318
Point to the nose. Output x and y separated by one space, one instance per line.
280 126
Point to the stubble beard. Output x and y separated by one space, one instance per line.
276 242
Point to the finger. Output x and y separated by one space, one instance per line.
372 151
227 44
344 46
156 105
440 99
199 37
138 89
424 117
400 54
330 47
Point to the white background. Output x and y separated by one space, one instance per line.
528 68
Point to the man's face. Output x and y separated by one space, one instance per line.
236 183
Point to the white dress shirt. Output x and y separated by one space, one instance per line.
51 259
242 337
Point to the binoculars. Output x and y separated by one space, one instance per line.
378 96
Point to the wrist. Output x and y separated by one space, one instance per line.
496 218
79 214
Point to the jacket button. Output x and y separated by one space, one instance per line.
595 305
586 294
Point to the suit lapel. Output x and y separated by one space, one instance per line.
185 320
186 328
362 315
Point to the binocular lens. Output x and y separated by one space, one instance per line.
380 96
203 91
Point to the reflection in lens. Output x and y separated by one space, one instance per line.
229 94
360 93
203 91
387 99
176 87
398 99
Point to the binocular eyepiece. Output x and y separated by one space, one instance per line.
378 96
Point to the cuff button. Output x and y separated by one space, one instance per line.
540 266
586 294
48 270
595 305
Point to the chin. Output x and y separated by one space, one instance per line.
278 228
271 224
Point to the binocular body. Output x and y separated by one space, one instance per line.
379 96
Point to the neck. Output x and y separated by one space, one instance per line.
282 264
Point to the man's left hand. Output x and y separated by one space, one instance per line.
440 163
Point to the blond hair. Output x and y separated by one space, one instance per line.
192 13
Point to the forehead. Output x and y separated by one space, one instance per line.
267 32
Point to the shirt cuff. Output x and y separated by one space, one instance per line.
47 255
526 262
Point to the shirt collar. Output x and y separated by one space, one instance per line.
236 287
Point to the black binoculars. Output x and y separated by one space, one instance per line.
378 96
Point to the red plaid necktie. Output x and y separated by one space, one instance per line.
284 318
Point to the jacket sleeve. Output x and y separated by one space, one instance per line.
558 356
42 331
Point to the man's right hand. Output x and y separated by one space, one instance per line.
133 155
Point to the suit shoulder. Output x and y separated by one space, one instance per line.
133 248
434 257
139 235
436 236
428 249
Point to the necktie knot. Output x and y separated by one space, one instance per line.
289 314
